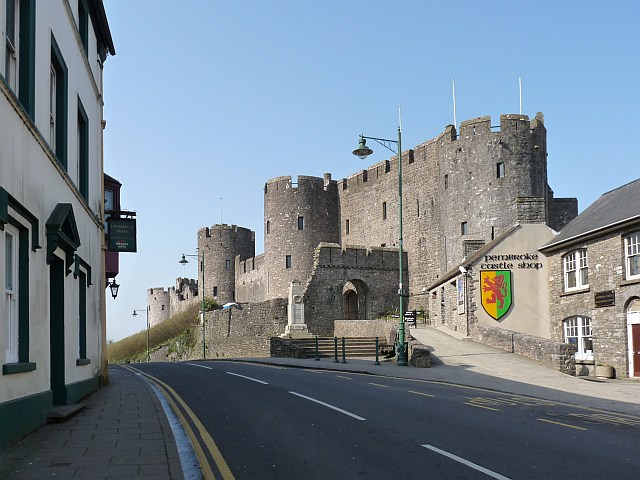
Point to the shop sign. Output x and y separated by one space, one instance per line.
496 292
606 298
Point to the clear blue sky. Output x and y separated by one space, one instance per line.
210 99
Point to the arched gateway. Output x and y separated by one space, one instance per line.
354 300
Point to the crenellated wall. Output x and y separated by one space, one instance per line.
370 272
221 245
298 216
460 190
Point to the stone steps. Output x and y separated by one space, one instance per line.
354 347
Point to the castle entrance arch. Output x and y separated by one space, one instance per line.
633 334
354 300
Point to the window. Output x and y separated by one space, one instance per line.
11 295
346 227
384 210
83 152
300 223
500 170
576 272
632 255
464 228
53 88
58 104
215 291
287 261
83 25
227 264
268 226
577 332
12 38
19 54
446 181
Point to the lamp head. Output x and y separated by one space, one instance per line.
362 151
183 260
113 286
134 314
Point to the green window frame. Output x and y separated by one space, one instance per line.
83 151
22 364
20 58
58 102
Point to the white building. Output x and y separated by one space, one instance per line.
51 207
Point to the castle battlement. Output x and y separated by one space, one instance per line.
304 183
355 256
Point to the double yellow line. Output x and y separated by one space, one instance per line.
202 442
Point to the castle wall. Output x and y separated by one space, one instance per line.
251 285
459 192
297 218
221 244
373 272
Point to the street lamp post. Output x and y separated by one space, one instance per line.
363 152
184 261
135 314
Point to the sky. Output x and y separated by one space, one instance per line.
206 100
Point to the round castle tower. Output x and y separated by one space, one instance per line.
158 305
297 218
221 244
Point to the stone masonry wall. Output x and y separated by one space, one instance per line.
608 324
556 355
298 216
244 332
372 272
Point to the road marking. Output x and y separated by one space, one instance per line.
378 385
481 406
248 378
346 378
423 394
466 462
201 366
604 418
352 415
172 398
561 424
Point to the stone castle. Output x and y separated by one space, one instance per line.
338 240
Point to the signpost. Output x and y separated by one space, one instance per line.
122 235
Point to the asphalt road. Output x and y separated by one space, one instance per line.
269 422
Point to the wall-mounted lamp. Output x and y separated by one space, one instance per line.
113 286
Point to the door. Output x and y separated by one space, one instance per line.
635 342
56 331
351 305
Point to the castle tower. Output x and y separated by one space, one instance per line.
221 244
298 216
158 305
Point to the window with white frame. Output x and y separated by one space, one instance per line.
577 332
632 255
11 294
576 270
12 36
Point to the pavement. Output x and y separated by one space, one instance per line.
124 432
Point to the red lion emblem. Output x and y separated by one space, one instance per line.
498 289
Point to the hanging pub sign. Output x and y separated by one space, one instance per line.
122 235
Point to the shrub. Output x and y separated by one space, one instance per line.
134 347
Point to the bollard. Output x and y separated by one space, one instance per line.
344 360
317 356
335 345
377 362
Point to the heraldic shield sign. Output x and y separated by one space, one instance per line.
496 292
